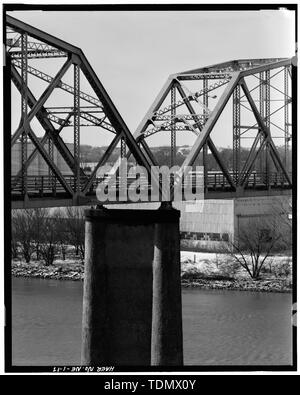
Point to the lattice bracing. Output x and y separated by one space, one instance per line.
55 95
258 90
248 102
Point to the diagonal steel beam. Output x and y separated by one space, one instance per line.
218 159
113 115
198 122
210 123
101 162
141 140
148 152
265 129
110 110
45 123
40 35
62 85
252 156
245 176
43 98
29 160
65 123
47 159
249 161
35 152
154 107
210 143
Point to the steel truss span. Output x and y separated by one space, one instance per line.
259 87
190 101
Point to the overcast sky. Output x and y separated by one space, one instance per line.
134 52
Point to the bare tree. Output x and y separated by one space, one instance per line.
75 228
22 231
39 218
282 210
14 245
48 241
256 240
61 227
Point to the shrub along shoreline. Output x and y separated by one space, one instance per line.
207 271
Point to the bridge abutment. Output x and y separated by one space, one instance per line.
132 295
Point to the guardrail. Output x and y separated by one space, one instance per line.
44 184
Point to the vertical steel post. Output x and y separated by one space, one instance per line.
51 156
24 64
76 126
236 133
286 118
205 153
262 113
123 147
267 121
173 125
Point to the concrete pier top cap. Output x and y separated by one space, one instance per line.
132 216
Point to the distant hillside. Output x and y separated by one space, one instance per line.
162 155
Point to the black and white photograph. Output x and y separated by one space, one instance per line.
150 190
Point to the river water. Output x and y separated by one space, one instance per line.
219 327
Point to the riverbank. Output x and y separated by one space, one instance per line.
221 271
272 285
202 270
60 270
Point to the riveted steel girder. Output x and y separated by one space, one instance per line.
232 75
111 119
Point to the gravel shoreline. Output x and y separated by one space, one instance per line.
75 272
240 285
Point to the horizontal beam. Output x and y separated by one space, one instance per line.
39 55
244 193
203 76
234 65
92 200
265 67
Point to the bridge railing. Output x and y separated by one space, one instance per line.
40 185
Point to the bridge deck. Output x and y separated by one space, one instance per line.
45 191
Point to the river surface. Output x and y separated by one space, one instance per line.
219 327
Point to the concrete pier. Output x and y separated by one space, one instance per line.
121 290
166 341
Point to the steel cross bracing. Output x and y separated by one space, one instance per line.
178 108
24 43
250 85
34 50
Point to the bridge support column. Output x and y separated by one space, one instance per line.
132 288
166 342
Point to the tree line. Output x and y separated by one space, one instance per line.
41 234
163 156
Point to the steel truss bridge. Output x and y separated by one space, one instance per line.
256 95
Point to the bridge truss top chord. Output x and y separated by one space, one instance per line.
25 43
